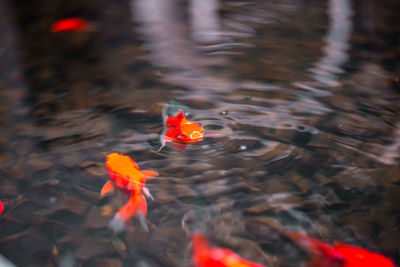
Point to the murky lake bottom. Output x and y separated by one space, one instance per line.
304 97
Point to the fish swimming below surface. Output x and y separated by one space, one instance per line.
74 24
1 207
338 255
129 179
125 175
204 255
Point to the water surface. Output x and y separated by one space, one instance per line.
304 97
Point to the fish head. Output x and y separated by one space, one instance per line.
191 131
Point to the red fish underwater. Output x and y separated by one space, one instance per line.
1 207
126 176
338 255
206 256
71 24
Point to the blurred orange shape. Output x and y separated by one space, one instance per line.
206 256
359 257
339 255
70 24
1 207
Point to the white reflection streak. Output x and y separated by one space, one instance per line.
204 20
5 262
171 48
337 39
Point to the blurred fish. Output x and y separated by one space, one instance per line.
1 207
206 256
135 207
74 24
338 255
126 176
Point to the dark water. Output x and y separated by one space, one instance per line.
303 94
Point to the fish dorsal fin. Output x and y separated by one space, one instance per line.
181 114
176 120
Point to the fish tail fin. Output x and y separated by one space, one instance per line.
142 219
107 188
136 206
117 224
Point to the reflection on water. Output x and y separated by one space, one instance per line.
302 94
337 43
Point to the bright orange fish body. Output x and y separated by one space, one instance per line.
74 24
126 176
206 256
339 255
181 130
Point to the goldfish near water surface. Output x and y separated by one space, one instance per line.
338 255
206 256
179 129
182 131
126 176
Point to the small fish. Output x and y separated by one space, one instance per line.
206 256
180 129
125 175
1 207
74 24
338 255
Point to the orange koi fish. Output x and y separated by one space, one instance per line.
1 207
206 256
74 24
126 176
339 255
